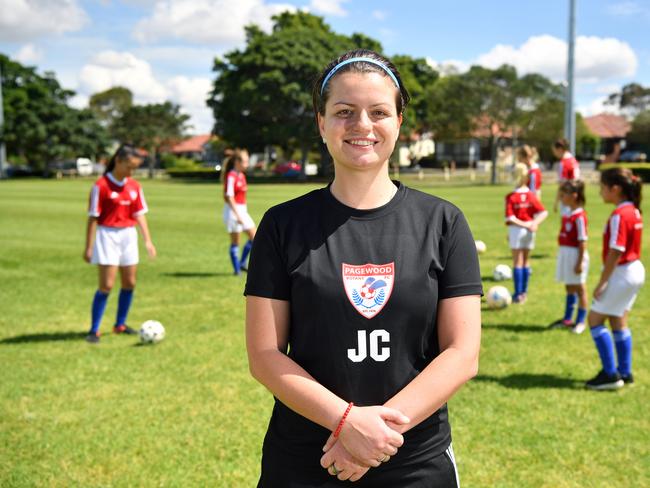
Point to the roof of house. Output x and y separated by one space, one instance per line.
608 125
192 144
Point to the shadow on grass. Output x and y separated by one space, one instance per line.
194 274
516 327
44 337
532 256
525 381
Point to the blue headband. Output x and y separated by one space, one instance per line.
354 60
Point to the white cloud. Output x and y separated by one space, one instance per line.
626 9
29 54
597 106
25 20
328 7
596 58
191 94
112 68
449 66
379 15
218 22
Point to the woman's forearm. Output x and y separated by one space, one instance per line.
91 227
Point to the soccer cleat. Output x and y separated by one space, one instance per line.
92 338
124 329
521 298
604 381
579 328
628 379
561 324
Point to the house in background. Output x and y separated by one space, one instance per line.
199 148
612 131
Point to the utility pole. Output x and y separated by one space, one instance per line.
3 154
569 110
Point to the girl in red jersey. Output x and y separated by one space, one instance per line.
235 212
526 155
622 276
573 258
524 213
116 206
568 169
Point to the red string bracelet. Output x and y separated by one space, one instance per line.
345 415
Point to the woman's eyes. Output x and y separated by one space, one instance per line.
375 113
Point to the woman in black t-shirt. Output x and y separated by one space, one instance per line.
363 305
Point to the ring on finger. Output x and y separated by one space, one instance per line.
332 470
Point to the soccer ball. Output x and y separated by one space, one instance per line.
366 292
480 247
498 297
502 272
152 332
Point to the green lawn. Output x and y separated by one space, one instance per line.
187 413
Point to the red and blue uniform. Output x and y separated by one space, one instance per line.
116 203
569 168
235 186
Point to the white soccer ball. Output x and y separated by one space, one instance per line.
502 272
498 297
480 247
151 332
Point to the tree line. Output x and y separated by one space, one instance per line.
261 96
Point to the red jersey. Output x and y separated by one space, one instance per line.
574 228
569 168
623 233
534 177
235 186
116 203
523 204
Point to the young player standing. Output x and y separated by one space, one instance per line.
235 212
116 206
525 154
568 169
573 258
524 213
622 276
363 305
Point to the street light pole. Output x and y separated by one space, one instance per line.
3 154
569 110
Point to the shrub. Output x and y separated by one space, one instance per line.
642 170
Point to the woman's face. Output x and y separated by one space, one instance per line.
610 194
568 199
242 165
129 164
361 123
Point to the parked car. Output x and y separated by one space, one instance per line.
20 171
633 156
290 169
70 167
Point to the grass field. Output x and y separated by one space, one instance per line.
187 413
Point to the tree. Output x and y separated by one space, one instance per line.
151 126
262 94
39 125
640 132
633 99
417 75
110 104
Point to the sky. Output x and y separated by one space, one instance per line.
164 49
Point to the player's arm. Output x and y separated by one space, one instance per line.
91 228
146 236
230 201
611 260
512 220
582 248
459 336
365 433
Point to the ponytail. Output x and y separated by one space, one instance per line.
630 184
125 150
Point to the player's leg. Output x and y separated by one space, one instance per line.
623 342
526 272
581 316
608 378
128 277
517 273
234 252
106 275
247 248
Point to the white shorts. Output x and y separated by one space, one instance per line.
566 260
622 287
230 219
520 238
115 246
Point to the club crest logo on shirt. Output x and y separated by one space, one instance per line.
568 226
114 195
368 286
134 194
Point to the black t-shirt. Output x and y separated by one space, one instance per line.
363 287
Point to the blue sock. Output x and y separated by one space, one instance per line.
123 305
245 252
570 306
99 304
234 257
623 341
605 346
526 277
581 316
518 277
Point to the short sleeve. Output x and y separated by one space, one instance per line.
230 184
94 202
461 274
267 270
140 204
581 225
617 233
